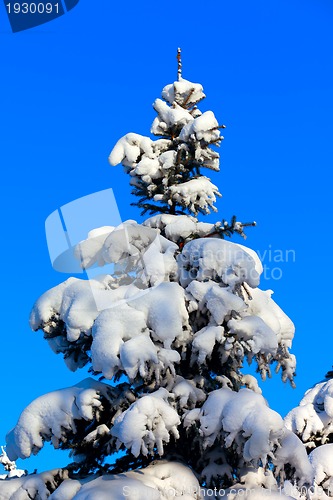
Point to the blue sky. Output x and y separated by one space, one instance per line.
72 87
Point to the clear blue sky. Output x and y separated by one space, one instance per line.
72 87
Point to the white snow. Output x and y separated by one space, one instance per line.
9 465
211 414
149 168
263 305
179 226
183 90
73 302
255 332
305 421
129 148
219 301
67 490
169 117
111 329
52 415
293 452
152 314
187 393
197 194
240 416
24 488
205 128
321 460
48 304
211 258
233 418
161 480
313 418
147 423
204 342
135 247
78 309
258 264
90 251
136 353
166 313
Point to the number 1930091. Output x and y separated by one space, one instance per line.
32 8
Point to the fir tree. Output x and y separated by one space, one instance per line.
312 422
170 335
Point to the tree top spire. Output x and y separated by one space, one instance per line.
179 59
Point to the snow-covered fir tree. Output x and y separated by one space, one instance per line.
312 421
168 337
